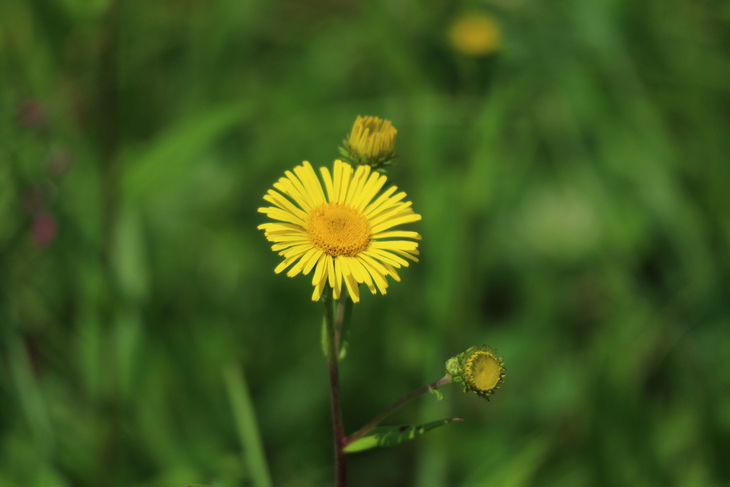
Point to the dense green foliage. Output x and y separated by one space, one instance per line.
575 202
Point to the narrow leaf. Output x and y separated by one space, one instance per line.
344 306
325 338
394 435
247 426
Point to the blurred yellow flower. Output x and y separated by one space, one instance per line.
371 141
475 34
344 235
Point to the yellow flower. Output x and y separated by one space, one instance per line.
371 141
475 34
345 235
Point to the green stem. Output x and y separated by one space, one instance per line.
377 419
333 330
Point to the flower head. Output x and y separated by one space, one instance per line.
344 235
371 141
479 369
475 34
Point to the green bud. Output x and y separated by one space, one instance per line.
478 369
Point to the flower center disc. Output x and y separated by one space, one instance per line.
483 371
338 229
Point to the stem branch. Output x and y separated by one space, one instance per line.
377 419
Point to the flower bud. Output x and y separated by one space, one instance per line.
478 369
371 142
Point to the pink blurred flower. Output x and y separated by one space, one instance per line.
32 114
43 229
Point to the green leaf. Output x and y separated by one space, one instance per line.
439 395
341 312
344 306
394 435
325 338
247 426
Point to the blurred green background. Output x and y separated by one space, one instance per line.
573 181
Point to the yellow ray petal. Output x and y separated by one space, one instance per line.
373 207
397 234
306 174
280 201
374 184
396 221
281 215
358 181
328 183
